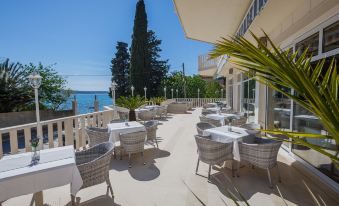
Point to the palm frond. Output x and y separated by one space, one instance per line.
316 87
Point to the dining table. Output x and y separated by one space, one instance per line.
115 129
228 134
56 167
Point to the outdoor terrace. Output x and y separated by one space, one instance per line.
169 178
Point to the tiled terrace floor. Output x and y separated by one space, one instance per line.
169 178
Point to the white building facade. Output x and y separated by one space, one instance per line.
291 24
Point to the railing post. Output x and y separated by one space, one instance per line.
83 132
68 132
50 135
13 136
59 129
27 134
76 128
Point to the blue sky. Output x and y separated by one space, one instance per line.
80 36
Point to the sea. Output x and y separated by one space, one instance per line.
85 100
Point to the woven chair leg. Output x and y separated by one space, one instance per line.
120 154
129 160
196 169
109 186
143 159
233 168
115 154
209 171
156 142
238 169
73 200
269 177
279 177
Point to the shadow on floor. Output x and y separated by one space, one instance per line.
103 200
294 187
139 171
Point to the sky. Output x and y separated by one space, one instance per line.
79 36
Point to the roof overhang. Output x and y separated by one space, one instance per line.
210 20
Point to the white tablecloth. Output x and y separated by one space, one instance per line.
152 107
116 128
56 168
221 117
221 134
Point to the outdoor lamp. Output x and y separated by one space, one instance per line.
145 89
113 88
177 92
198 92
35 82
132 88
172 92
165 91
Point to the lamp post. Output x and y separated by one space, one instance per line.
35 82
113 87
198 93
132 89
145 89
172 92
222 93
177 92
165 92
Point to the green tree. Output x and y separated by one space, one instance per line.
14 94
119 68
193 83
159 68
53 91
213 90
139 66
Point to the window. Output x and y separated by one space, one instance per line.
255 7
331 37
311 43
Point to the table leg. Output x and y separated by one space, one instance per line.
38 198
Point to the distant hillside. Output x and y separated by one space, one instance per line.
90 92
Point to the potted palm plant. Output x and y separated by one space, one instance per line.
131 103
158 100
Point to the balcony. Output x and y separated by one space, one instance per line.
208 67
169 178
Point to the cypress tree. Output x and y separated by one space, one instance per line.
159 68
139 66
119 69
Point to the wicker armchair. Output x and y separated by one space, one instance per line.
132 143
239 121
96 135
116 121
147 115
151 128
206 112
201 126
93 165
212 152
123 115
261 153
214 122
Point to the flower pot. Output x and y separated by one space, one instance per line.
132 116
35 155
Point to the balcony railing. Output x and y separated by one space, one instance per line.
204 62
199 102
68 130
60 132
